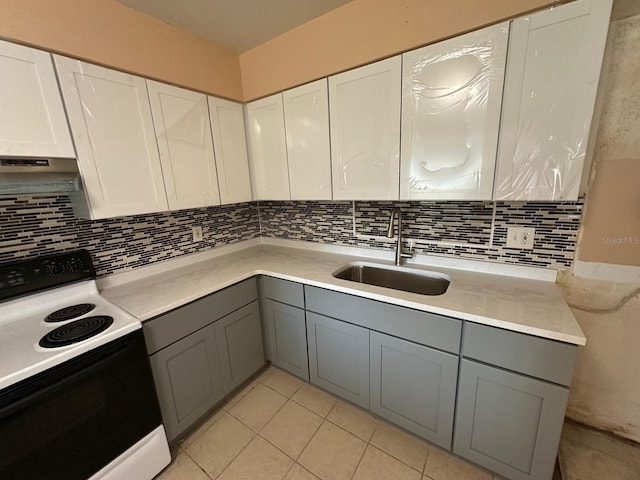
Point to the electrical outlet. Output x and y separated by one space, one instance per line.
520 237
197 234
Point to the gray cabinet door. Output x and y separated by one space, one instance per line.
286 340
507 422
339 358
239 338
187 378
414 386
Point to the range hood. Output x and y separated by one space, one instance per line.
38 175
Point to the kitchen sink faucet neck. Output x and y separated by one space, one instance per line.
397 213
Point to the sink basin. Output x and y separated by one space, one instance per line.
398 278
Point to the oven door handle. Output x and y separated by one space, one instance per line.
25 393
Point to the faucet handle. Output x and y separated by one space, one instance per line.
411 251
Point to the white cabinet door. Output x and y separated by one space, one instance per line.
451 97
230 146
306 114
181 122
32 119
553 68
268 148
112 127
364 108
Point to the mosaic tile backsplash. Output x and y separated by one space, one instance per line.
42 224
475 230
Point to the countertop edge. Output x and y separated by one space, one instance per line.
243 272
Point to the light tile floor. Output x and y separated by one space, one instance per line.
279 427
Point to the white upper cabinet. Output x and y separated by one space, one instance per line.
306 114
364 109
181 122
230 145
111 122
32 118
268 148
451 97
554 63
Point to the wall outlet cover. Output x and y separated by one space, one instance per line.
197 234
520 237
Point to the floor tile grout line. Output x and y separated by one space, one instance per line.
324 419
368 442
355 470
303 405
198 465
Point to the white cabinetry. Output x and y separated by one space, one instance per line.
268 149
306 113
32 119
365 131
553 67
451 97
230 146
112 126
181 122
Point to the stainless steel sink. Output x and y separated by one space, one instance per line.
398 278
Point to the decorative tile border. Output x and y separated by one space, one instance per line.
43 224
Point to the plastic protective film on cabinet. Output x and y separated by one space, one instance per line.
554 63
452 93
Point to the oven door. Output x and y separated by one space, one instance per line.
70 421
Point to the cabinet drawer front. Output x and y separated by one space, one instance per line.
283 291
422 327
507 422
339 358
176 324
526 354
414 386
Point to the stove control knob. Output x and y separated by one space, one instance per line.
53 268
74 265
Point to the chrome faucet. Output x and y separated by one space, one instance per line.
396 212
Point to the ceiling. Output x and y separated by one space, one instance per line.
236 24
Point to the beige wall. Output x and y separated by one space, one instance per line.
605 392
109 33
363 31
611 222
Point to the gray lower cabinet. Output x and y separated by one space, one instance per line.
507 422
414 386
188 380
339 358
286 337
239 339
201 351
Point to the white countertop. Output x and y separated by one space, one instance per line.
522 305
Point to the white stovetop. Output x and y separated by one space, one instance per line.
22 325
523 305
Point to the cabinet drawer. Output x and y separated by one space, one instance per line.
176 324
283 291
421 327
538 357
